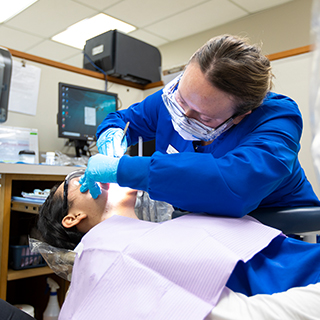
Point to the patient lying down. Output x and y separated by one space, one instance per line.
68 214
193 267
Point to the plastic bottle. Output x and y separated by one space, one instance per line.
53 308
50 158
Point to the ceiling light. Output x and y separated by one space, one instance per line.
13 7
77 34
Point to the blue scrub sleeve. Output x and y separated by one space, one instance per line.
133 172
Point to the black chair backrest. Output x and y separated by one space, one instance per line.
290 220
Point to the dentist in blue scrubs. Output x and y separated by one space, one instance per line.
226 145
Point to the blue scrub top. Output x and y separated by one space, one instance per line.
286 263
252 165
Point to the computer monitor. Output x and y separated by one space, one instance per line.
81 110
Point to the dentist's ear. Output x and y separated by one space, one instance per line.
238 119
71 219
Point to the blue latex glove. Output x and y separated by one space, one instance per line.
109 143
102 169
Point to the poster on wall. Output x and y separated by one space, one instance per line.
24 89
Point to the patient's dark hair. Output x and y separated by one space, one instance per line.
50 223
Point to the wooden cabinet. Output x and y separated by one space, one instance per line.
17 218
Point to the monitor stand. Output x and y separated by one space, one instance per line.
81 146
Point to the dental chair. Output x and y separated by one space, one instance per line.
293 220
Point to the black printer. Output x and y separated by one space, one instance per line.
124 57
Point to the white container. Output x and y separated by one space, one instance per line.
26 308
50 158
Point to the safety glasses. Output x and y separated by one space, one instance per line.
192 126
69 177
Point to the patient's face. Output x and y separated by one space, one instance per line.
112 197
77 199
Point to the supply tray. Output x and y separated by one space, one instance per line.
21 257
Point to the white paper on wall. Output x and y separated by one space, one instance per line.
24 89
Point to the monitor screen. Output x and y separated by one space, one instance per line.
81 110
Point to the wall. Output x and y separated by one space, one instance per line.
280 28
45 119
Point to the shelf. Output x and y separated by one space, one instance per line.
35 170
14 179
25 206
28 273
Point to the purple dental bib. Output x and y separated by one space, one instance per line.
133 269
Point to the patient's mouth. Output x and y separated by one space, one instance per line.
104 186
